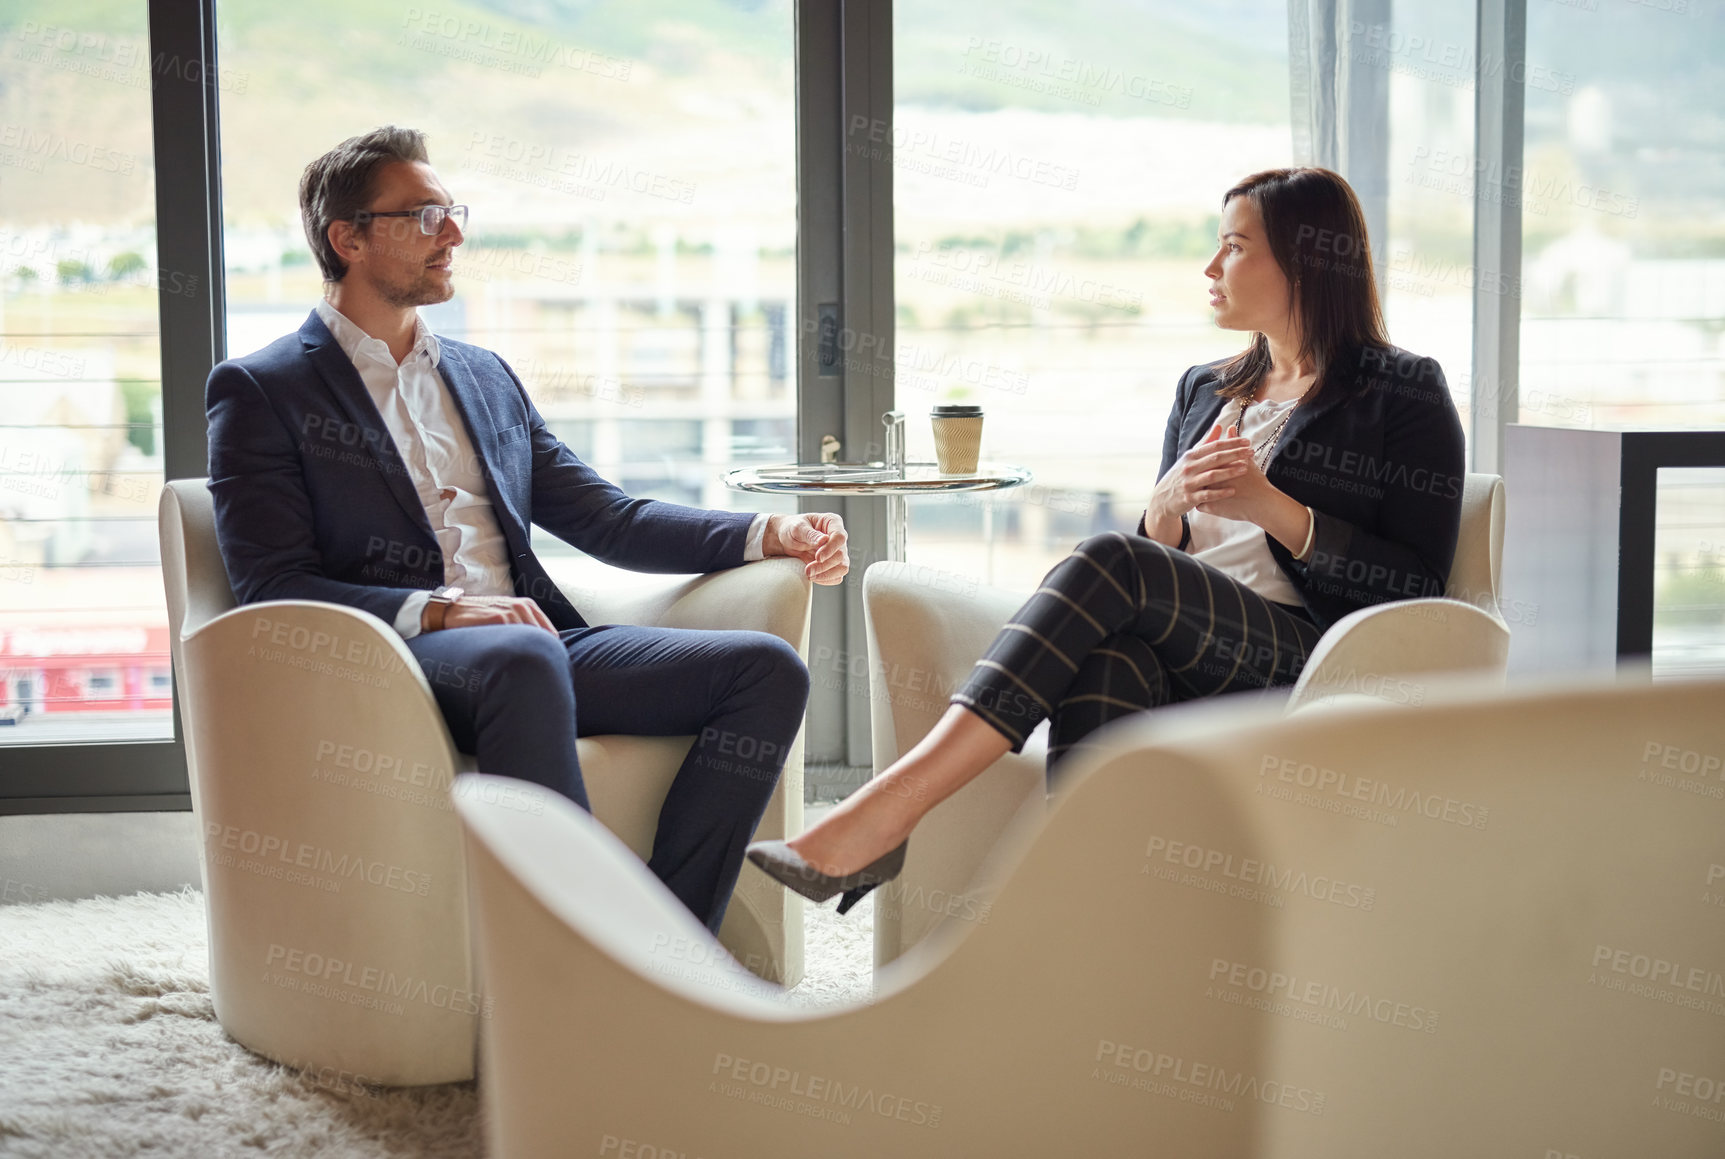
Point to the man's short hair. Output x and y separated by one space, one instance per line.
341 182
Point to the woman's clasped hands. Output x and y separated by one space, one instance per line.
1218 476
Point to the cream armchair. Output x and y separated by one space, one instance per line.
321 775
922 642
1485 925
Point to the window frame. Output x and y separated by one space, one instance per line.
1494 392
150 775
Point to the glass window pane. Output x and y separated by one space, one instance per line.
1059 171
764 440
630 168
1689 573
1426 271
1624 226
83 623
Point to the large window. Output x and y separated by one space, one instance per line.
1623 197
1425 259
1624 266
83 628
1059 173
634 172
630 168
1689 573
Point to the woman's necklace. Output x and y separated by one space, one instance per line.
1262 453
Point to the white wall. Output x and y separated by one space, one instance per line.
61 856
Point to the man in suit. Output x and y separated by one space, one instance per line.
365 461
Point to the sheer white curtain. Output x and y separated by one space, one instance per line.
1339 81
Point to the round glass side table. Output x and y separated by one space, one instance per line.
859 479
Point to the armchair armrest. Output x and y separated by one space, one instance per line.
321 774
764 925
925 632
769 595
1378 652
262 651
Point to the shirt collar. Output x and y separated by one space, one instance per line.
356 343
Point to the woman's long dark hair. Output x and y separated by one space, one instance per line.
1317 234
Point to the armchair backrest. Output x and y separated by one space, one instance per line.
193 575
1532 863
1476 576
343 766
192 569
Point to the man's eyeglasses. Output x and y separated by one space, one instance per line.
430 217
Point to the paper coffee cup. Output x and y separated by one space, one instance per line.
957 437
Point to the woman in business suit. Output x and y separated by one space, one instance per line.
1317 471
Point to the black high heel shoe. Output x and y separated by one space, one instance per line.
781 863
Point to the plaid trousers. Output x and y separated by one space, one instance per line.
1123 624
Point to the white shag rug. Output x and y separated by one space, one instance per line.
109 1045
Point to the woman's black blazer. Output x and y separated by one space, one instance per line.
1380 460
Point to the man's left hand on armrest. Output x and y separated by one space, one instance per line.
819 540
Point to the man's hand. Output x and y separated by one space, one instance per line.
481 611
818 540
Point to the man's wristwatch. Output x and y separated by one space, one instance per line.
437 607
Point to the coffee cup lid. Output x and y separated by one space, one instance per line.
952 410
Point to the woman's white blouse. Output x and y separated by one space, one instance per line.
1238 547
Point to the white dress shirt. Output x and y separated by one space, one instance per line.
1238 546
445 470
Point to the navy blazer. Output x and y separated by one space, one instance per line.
313 501
1380 460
